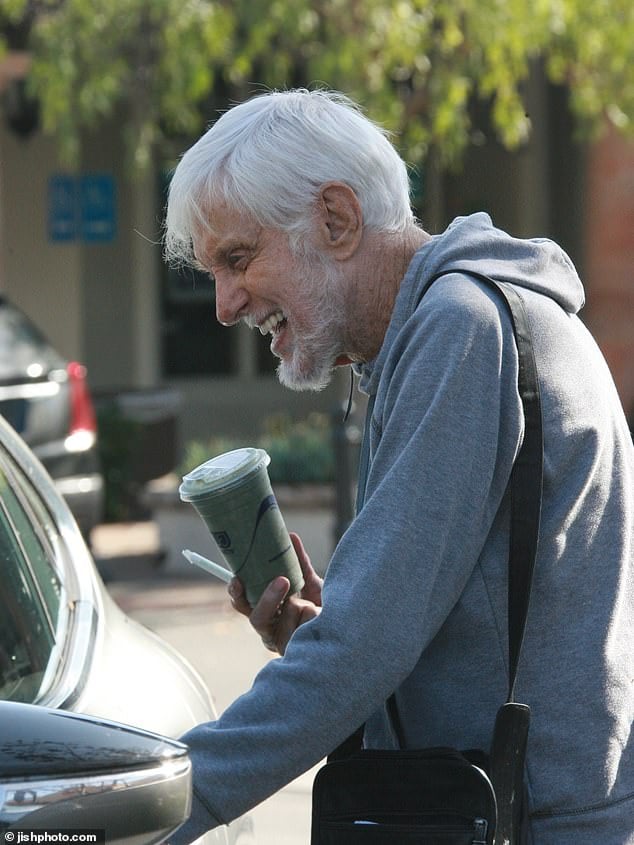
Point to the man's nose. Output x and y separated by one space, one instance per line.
231 301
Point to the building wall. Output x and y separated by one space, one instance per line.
511 186
95 301
609 239
41 277
109 309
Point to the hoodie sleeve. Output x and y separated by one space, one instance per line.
446 399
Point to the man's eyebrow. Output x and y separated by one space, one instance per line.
220 252
205 259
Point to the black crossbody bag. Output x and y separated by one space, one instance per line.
442 796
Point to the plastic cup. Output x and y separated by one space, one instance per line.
232 494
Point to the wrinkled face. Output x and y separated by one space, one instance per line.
298 300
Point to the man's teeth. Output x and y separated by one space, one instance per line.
271 322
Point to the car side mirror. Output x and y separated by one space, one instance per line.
61 770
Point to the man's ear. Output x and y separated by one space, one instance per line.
340 220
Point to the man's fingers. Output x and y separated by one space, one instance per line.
238 597
265 614
300 551
276 615
294 613
312 581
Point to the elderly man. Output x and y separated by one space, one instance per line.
298 206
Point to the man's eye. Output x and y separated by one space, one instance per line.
236 260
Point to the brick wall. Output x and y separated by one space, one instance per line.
609 235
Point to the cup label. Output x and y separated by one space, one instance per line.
222 539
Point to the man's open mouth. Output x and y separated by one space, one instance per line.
273 323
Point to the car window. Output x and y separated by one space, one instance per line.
32 608
22 344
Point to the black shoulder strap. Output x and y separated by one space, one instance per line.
525 485
510 732
526 477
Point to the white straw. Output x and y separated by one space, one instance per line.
208 565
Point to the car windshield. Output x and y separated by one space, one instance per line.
22 345
33 611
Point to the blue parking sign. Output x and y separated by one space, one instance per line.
62 207
97 207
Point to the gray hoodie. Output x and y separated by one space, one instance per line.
415 594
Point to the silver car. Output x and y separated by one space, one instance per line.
66 646
47 400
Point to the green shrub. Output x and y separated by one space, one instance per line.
301 451
118 438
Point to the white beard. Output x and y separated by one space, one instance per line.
312 362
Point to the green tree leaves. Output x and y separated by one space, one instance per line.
148 61
165 66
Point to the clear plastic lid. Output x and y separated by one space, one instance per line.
222 471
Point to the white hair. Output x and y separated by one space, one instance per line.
269 157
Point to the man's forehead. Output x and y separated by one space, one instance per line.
221 225
220 218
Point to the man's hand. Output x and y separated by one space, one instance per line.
277 614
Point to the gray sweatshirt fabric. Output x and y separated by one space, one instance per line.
415 595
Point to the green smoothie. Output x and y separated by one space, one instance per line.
232 494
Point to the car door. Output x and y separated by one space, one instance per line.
34 608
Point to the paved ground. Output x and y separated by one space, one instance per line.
192 612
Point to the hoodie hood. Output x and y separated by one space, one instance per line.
474 243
